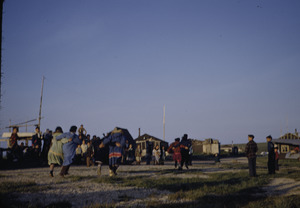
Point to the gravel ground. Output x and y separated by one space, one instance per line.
80 190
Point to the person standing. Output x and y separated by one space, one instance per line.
251 149
276 158
271 155
82 131
138 154
47 137
116 142
156 155
37 142
83 149
69 149
162 155
89 154
13 144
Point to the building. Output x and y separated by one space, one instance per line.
288 143
211 146
149 141
208 146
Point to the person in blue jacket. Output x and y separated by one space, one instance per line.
116 141
69 149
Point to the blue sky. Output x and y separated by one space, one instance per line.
224 69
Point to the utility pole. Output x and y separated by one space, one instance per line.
1 15
40 113
164 123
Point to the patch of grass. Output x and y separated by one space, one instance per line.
221 184
11 187
289 163
62 204
276 202
101 206
75 178
124 198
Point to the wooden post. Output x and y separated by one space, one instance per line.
164 123
40 113
1 15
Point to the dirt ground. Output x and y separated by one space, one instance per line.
79 189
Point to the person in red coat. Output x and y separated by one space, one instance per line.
175 149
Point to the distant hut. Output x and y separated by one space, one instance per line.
211 146
288 143
149 141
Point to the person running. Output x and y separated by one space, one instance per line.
175 149
55 154
69 149
184 150
116 141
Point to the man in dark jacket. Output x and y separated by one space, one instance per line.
37 143
251 149
271 155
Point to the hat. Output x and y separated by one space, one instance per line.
73 128
269 137
251 135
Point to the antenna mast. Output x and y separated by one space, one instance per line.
164 123
41 101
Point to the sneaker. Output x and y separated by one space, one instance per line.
111 173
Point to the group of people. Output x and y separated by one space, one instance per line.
65 145
182 151
273 155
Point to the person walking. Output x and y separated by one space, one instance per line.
271 155
251 149
69 149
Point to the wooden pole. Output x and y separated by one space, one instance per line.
41 101
164 123
1 15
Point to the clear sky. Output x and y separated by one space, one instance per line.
224 69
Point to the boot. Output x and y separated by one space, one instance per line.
63 171
99 170
111 173
51 173
67 170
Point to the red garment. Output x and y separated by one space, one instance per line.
175 147
276 156
13 140
177 157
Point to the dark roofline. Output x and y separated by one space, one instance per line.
141 138
287 141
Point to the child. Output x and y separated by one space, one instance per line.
138 154
89 154
78 154
156 155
